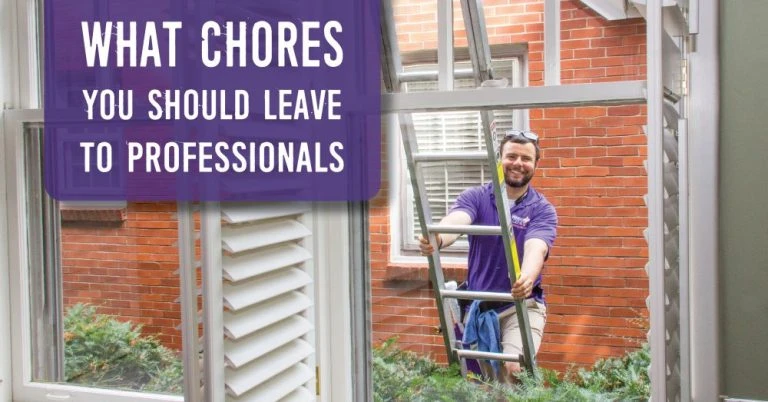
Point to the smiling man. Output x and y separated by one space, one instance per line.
534 221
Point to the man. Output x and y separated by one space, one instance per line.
534 221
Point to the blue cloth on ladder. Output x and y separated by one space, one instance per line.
482 328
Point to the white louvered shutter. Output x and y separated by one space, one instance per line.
456 131
267 267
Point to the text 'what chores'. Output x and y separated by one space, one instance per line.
223 102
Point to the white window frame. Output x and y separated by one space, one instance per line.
24 388
19 45
20 101
333 309
400 192
18 89
5 309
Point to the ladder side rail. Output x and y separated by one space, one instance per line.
425 215
510 245
391 67
477 39
481 62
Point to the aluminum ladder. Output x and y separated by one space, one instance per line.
481 62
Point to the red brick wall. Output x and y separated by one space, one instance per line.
126 268
591 171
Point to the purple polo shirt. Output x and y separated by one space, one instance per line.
533 218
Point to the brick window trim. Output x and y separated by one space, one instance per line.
116 212
420 272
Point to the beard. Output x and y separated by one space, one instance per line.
517 183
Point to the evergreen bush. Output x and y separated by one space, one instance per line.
101 351
405 376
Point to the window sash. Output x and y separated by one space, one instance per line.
20 253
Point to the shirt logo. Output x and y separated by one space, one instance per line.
519 221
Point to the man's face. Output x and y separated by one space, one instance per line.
519 163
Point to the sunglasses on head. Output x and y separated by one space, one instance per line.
530 135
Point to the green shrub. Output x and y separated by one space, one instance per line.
405 376
625 377
101 351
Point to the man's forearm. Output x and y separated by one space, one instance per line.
533 261
454 218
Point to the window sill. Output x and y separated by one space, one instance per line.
420 272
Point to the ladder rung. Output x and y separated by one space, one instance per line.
468 229
474 354
471 295
415 76
450 156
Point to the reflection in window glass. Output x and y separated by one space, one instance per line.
104 290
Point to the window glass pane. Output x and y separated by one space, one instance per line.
104 290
